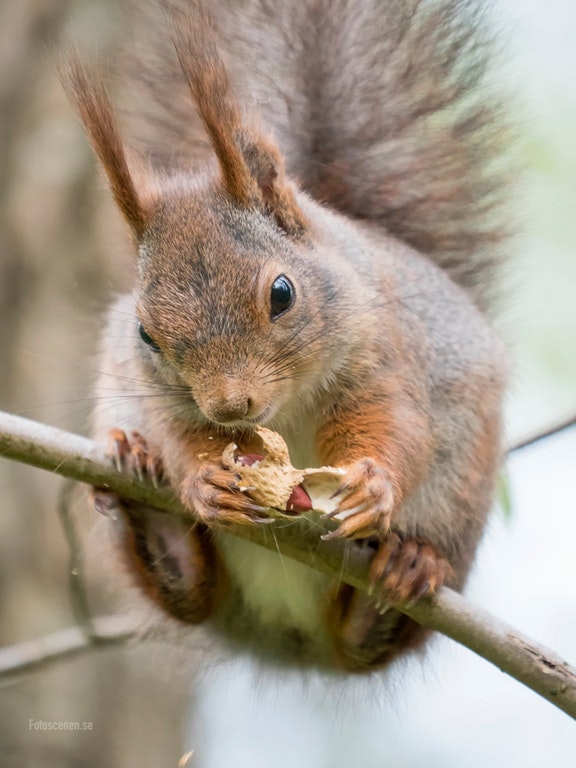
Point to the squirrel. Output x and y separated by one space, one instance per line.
326 266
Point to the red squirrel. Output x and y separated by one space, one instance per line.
325 267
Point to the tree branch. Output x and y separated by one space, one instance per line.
542 434
34 655
448 612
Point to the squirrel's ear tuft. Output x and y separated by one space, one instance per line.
266 167
131 182
251 165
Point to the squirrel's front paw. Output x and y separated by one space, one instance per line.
367 504
213 495
405 569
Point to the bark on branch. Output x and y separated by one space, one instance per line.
448 612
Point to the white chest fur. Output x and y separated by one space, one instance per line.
299 433
278 590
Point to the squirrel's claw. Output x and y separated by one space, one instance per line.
368 502
132 454
359 525
213 495
106 503
403 570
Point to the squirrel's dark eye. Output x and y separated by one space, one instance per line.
148 340
281 296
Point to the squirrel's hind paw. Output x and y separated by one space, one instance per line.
132 454
128 454
404 569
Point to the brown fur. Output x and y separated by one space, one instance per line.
383 109
130 183
381 361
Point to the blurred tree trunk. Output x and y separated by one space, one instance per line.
63 252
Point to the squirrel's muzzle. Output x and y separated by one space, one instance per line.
227 401
229 411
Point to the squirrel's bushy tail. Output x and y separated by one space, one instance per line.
382 110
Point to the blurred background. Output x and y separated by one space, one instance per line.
64 253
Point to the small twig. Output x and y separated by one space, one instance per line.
34 655
542 434
78 596
448 612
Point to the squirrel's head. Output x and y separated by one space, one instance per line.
228 305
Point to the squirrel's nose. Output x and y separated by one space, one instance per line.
229 411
